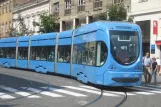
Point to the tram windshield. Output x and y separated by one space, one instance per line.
124 46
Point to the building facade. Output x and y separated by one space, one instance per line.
147 14
74 13
5 17
6 7
29 13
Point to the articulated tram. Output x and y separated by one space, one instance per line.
102 53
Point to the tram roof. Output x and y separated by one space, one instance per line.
9 39
44 36
103 25
23 38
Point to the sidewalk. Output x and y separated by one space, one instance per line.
152 81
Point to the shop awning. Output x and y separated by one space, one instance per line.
158 42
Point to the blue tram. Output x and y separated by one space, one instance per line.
102 53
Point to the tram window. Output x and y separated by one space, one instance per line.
91 49
23 53
101 53
85 53
43 53
64 53
50 53
1 52
9 52
74 56
33 53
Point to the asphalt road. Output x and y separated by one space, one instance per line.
21 88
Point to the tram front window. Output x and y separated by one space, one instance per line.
124 46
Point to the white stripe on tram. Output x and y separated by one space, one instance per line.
65 92
90 91
43 92
25 94
6 96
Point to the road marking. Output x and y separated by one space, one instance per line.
149 88
121 93
90 91
156 92
113 92
43 92
144 93
65 92
142 89
154 86
6 96
89 87
25 94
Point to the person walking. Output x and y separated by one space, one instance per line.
154 69
147 63
159 65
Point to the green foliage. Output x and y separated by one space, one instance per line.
117 12
130 19
23 29
48 23
103 16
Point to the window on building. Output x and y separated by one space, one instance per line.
81 5
10 6
143 0
33 25
67 7
68 4
97 4
10 25
6 27
118 1
6 8
56 8
2 28
81 2
2 9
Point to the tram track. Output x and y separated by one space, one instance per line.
100 96
49 86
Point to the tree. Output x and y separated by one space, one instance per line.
130 19
49 23
117 12
103 16
23 29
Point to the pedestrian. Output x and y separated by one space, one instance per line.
154 69
147 62
159 65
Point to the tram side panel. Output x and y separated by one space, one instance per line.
22 56
63 56
42 55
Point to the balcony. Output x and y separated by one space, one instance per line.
56 14
80 8
67 11
97 5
